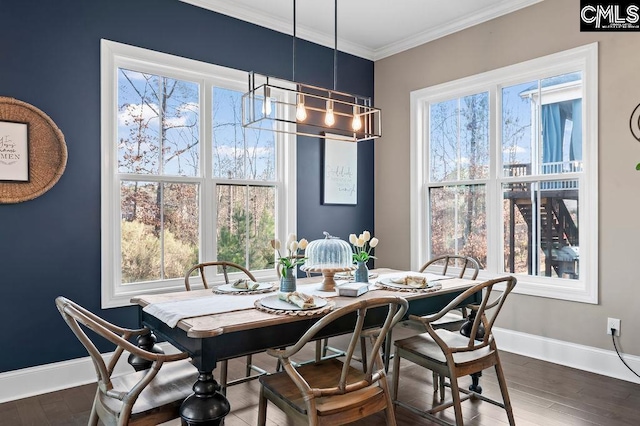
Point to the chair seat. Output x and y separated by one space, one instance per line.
168 389
321 375
423 346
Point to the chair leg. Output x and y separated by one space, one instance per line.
363 352
262 408
457 406
248 365
389 411
223 376
441 386
321 349
505 393
396 376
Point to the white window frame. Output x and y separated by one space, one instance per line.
584 59
117 55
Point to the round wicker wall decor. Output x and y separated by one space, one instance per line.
47 151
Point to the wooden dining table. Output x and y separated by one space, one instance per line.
230 333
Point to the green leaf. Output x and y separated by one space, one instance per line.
638 166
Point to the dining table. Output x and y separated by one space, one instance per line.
212 325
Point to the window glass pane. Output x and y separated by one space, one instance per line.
262 207
458 221
140 240
518 132
246 224
181 227
541 228
542 126
443 140
459 138
240 153
158 125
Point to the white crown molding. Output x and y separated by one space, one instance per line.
451 27
42 379
266 20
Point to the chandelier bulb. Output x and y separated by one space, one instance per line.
301 111
356 123
329 118
266 104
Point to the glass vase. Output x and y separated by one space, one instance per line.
288 280
361 274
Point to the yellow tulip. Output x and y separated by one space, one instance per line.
374 242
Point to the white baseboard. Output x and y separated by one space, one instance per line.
66 374
46 378
587 358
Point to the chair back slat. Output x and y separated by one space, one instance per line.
224 265
396 309
463 262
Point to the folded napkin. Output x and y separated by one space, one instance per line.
411 280
299 299
245 284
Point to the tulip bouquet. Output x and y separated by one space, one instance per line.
292 248
362 245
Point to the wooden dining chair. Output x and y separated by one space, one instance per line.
453 355
226 268
461 267
147 397
332 392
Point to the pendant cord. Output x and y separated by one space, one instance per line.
294 42
335 48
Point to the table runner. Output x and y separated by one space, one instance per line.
172 312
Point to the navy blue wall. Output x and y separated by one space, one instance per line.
50 57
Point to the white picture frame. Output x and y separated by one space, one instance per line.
14 151
340 172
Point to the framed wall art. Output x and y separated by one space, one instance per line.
340 172
14 151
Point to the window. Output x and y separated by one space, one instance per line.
504 169
182 181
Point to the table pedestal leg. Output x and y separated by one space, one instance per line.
475 383
206 406
148 343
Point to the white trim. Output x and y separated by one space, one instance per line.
32 381
52 377
585 59
586 358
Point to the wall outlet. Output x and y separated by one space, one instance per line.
615 324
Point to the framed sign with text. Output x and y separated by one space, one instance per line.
14 151
340 172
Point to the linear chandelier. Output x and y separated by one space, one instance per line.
297 108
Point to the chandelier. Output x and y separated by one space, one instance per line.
297 108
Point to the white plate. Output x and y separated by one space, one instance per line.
229 288
387 282
274 302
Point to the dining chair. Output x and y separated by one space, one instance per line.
332 392
453 355
226 268
466 267
147 397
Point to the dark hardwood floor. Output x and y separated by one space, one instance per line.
542 394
